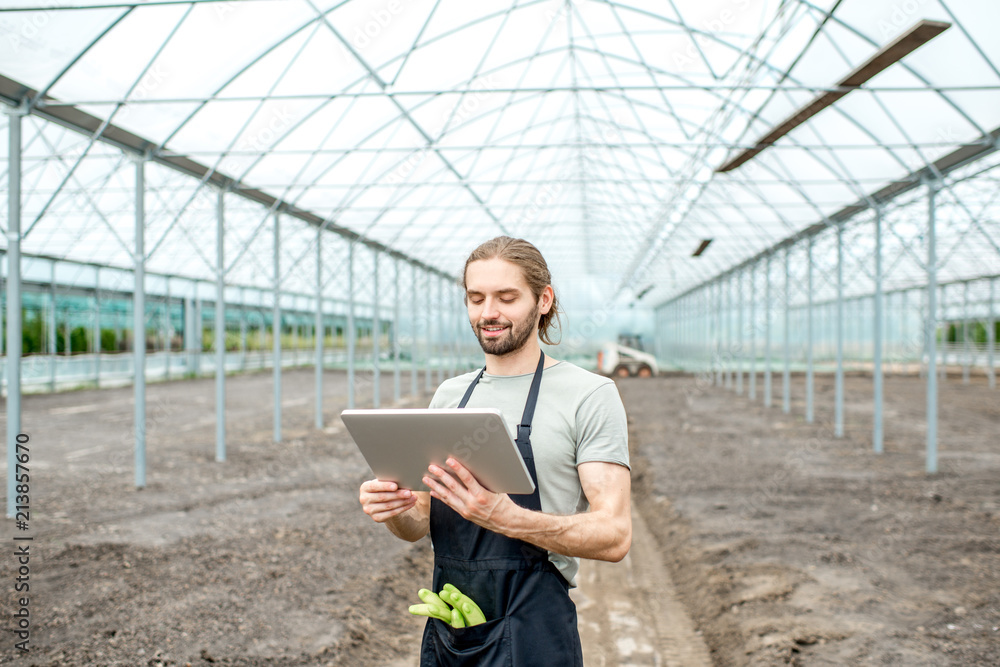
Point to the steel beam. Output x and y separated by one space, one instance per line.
966 348
838 410
220 327
376 335
320 329
717 285
440 345
729 332
415 292
930 329
752 330
786 378
428 343
276 328
139 323
14 332
97 327
453 310
877 334
809 332
243 325
351 326
396 379
991 336
50 334
767 333
740 333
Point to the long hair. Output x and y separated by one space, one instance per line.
525 256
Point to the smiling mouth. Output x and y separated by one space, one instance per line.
493 330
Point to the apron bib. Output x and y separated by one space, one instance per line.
530 618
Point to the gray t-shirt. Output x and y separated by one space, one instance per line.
579 418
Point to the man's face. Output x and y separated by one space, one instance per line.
502 310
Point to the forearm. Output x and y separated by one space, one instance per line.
595 535
412 524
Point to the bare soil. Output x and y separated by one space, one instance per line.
790 546
785 545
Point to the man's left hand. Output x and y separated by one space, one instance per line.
467 496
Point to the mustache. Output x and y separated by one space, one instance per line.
492 323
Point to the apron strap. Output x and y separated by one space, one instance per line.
524 428
468 392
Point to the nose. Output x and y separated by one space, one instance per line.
491 310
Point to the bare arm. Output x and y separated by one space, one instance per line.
603 533
405 513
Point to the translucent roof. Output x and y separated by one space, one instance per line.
594 129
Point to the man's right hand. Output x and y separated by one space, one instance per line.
383 500
386 503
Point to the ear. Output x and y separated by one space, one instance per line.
545 299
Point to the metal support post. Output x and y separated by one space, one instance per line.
14 332
220 328
396 384
729 332
717 289
276 328
454 328
810 342
991 336
786 379
320 329
97 327
351 326
838 411
930 329
415 291
376 335
767 332
877 335
428 343
740 334
966 347
53 357
169 333
139 323
243 328
440 345
752 330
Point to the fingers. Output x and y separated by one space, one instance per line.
463 474
374 485
385 497
383 511
382 500
439 480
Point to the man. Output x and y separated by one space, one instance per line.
517 556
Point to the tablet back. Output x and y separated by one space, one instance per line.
399 444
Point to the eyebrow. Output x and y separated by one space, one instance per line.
505 290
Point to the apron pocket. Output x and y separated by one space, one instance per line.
483 645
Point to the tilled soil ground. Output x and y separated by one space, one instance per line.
786 545
790 546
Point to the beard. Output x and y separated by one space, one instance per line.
512 340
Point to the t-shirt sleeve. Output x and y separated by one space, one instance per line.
436 401
602 427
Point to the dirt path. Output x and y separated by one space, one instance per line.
630 614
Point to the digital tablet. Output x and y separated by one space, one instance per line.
400 444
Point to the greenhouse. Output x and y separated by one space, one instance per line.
227 221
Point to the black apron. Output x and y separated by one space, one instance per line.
530 618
